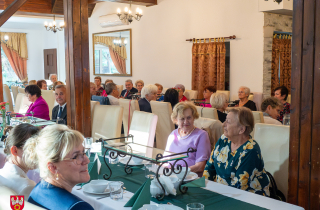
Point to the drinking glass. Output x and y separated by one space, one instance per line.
195 206
88 142
113 159
150 171
286 119
116 191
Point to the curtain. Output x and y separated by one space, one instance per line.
118 62
108 42
16 50
208 65
281 57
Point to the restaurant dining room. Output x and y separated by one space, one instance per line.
159 104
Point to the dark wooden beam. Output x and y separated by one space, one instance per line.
304 158
10 10
135 2
32 6
77 65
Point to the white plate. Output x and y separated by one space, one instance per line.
191 176
160 207
88 189
131 163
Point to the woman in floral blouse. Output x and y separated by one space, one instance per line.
282 94
236 160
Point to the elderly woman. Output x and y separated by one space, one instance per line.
59 154
139 85
171 96
53 78
42 84
180 88
188 136
207 92
56 83
39 106
282 94
93 89
14 173
243 101
220 102
148 93
160 97
236 160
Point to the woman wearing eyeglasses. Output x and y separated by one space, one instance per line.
58 153
14 173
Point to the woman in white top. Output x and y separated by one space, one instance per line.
14 173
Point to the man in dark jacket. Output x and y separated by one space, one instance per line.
129 91
59 112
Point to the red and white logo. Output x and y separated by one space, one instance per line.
17 202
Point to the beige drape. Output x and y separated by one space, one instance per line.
208 65
16 42
108 42
16 51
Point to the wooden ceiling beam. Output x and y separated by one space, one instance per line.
10 10
135 2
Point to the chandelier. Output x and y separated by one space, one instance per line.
53 26
118 42
127 14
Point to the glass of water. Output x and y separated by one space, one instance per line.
195 206
116 191
286 119
88 142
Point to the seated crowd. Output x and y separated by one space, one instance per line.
58 152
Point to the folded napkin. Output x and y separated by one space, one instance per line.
196 183
141 197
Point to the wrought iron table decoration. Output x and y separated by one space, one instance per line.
168 163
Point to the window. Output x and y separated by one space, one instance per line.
8 75
103 62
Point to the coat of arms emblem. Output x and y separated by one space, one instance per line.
17 202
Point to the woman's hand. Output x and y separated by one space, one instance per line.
198 167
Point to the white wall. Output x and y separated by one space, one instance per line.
39 39
161 54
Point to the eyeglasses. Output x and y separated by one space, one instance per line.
78 159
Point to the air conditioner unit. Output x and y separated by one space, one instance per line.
111 20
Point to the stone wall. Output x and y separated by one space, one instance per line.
272 22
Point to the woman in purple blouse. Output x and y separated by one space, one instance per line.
39 106
188 136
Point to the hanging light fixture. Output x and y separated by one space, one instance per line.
53 26
118 42
127 14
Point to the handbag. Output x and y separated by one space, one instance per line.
274 192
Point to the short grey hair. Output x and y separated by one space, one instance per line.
61 86
129 80
217 100
246 90
110 87
148 89
180 86
52 75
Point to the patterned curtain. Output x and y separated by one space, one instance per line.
281 52
208 65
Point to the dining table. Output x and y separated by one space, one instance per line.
212 196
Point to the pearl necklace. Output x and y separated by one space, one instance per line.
184 137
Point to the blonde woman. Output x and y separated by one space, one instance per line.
14 173
188 136
236 160
58 153
220 102
139 85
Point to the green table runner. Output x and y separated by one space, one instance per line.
209 199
